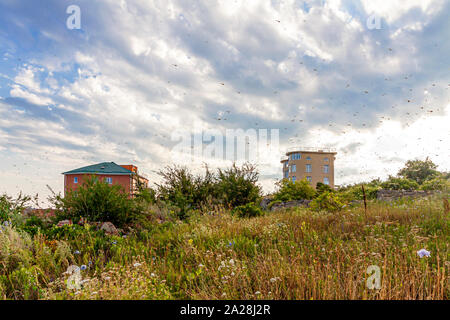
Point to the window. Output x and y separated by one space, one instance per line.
293 168
294 178
108 180
286 174
325 159
326 181
308 158
309 179
295 156
75 180
308 168
326 168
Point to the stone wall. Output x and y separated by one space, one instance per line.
282 205
388 195
290 204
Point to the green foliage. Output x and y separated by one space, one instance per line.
321 188
185 190
231 187
33 225
328 201
248 210
96 200
394 183
438 183
147 195
299 190
11 208
418 170
354 192
237 186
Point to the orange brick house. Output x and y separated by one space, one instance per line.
124 175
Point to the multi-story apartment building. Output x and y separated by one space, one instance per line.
314 164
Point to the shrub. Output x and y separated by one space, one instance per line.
248 210
328 201
96 200
11 209
354 192
298 190
321 188
394 183
237 186
438 183
181 188
33 224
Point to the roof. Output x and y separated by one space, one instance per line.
102 168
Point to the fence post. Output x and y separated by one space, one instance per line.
365 200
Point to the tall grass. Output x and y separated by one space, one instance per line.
291 254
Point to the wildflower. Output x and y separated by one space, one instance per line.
107 278
124 236
232 262
153 275
83 267
224 294
190 241
200 265
77 252
274 279
257 293
114 242
423 253
137 264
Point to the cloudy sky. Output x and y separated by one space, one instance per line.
369 78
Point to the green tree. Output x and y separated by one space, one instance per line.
299 190
95 201
419 170
237 186
185 190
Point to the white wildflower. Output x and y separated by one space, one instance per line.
423 253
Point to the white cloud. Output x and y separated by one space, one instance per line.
119 90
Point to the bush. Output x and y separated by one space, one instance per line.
96 200
354 192
248 210
328 201
237 186
186 191
298 190
11 209
394 183
438 183
321 188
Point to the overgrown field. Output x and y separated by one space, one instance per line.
292 254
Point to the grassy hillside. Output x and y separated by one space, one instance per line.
292 254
